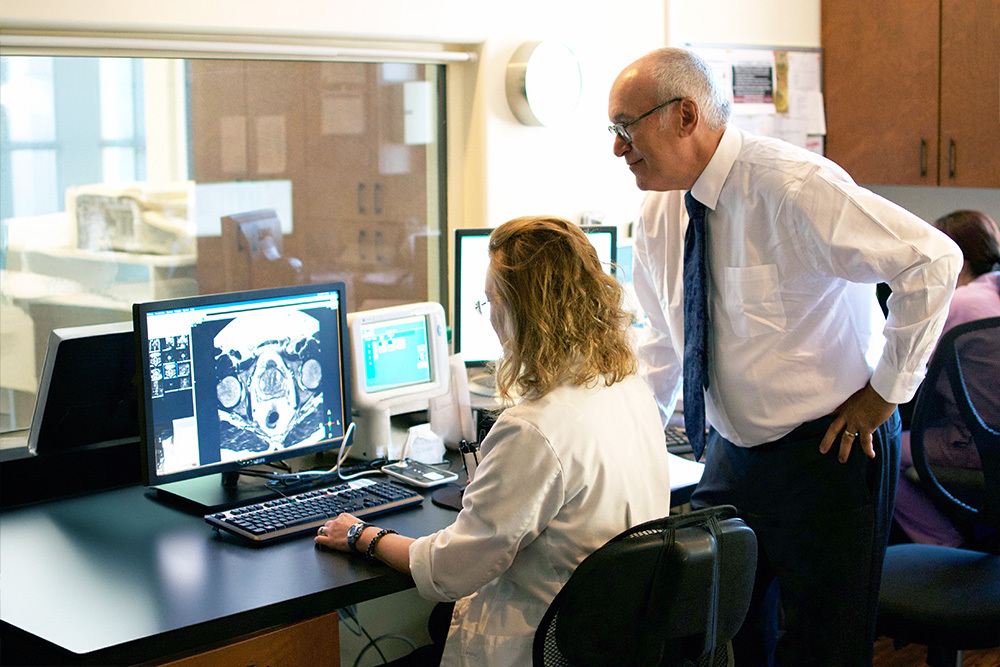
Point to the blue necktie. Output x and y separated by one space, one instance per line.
695 325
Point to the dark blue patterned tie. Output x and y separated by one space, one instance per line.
695 325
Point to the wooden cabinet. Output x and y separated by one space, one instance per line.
913 90
338 133
312 643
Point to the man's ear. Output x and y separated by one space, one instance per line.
689 115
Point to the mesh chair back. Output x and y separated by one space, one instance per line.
953 372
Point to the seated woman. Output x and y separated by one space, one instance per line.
946 441
578 459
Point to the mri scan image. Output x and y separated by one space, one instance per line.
268 382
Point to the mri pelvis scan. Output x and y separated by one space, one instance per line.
269 382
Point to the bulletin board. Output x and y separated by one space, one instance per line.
775 91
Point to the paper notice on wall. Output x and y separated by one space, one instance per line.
812 103
272 145
781 81
774 91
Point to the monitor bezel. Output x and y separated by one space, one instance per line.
437 342
150 476
456 323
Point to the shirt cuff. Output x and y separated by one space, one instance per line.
895 386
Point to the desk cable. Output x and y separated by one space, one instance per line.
276 478
350 612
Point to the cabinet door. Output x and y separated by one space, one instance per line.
880 77
311 643
218 122
970 93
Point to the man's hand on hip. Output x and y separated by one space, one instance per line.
857 418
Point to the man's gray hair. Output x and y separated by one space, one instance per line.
683 73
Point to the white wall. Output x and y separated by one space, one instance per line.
756 22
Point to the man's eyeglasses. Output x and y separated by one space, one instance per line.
621 129
482 307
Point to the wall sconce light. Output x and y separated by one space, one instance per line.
544 83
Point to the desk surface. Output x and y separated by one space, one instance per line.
118 577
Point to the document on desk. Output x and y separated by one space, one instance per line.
683 472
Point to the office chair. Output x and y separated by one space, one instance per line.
948 598
668 592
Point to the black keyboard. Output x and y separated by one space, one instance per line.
677 440
298 513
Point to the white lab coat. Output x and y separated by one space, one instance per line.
558 477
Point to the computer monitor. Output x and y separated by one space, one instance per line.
87 397
239 379
472 334
400 357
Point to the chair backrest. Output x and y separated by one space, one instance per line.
963 370
661 593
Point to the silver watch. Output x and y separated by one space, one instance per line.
354 534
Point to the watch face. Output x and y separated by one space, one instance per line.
354 532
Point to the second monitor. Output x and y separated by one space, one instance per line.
400 360
472 333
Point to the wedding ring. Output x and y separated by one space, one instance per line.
322 530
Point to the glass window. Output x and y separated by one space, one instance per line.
123 179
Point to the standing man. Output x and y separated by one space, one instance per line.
802 374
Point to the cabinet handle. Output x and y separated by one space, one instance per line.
361 206
923 158
378 199
951 158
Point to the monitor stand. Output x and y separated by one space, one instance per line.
482 383
215 493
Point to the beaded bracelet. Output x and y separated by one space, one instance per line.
370 552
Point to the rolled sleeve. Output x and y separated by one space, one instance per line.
516 492
919 263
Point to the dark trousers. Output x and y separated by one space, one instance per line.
822 528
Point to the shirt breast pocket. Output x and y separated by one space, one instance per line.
752 300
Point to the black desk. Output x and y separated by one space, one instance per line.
116 577
119 578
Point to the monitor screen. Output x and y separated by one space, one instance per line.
472 333
86 393
240 379
400 356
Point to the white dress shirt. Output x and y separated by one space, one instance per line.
558 477
794 250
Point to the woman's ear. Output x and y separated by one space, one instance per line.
965 276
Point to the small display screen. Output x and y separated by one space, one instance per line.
396 353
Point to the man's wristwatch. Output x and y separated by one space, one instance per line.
354 534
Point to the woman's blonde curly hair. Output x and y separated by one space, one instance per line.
561 312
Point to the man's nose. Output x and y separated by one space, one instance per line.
621 146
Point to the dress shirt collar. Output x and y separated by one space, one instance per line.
708 187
